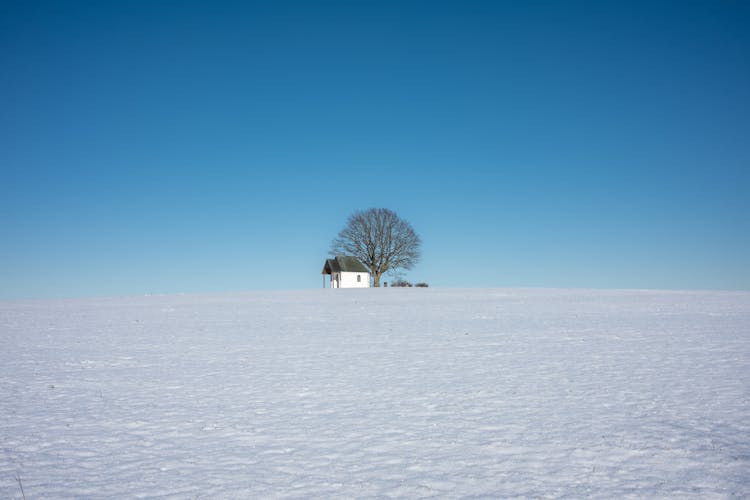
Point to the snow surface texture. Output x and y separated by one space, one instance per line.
378 393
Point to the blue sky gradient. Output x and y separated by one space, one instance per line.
162 147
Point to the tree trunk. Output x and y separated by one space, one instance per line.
375 280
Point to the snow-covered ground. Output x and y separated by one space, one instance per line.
378 393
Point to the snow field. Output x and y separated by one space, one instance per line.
378 393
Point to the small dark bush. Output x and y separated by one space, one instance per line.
401 283
421 285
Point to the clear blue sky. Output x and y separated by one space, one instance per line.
162 147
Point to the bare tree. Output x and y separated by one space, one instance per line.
380 240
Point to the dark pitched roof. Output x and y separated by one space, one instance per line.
344 264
